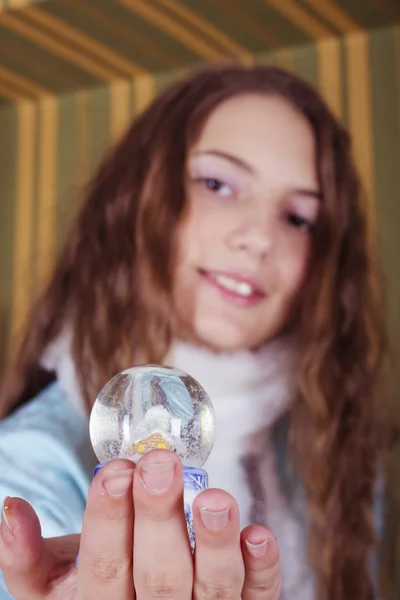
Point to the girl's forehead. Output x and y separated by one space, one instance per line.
253 117
263 133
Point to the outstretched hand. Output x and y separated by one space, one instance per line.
134 543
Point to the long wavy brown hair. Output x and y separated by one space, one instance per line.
111 289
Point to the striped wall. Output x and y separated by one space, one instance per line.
55 46
49 148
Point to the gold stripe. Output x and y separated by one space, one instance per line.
334 14
48 108
144 92
360 113
26 86
18 3
119 107
223 40
329 74
169 26
21 289
300 17
77 58
88 44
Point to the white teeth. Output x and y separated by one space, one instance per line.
239 287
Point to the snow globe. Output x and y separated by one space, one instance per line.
152 407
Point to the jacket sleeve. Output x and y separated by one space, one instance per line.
45 458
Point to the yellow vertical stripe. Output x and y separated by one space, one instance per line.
360 112
21 289
48 108
329 74
18 3
144 92
119 107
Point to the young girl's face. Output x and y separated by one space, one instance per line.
243 246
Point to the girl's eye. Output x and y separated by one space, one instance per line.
298 222
217 186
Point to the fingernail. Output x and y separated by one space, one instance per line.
157 476
5 523
257 550
214 519
118 483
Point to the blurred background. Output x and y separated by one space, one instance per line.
74 72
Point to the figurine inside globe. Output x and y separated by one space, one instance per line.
152 407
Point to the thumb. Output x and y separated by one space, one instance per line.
30 564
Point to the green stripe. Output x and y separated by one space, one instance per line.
305 63
163 80
385 55
8 152
66 165
132 99
267 58
386 130
100 125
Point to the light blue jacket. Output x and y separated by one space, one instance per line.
46 458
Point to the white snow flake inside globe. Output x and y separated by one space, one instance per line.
152 407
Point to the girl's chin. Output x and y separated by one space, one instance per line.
223 338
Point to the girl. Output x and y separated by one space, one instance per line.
226 235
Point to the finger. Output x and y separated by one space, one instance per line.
219 567
105 555
29 563
163 564
261 558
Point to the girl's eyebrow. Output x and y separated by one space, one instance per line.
230 157
313 193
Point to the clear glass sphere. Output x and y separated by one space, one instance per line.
150 407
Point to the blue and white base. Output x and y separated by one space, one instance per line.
194 482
